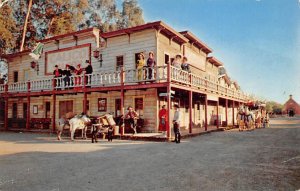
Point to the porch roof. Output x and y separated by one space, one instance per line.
214 61
193 39
158 25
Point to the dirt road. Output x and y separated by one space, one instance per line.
264 159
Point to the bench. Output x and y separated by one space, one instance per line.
40 123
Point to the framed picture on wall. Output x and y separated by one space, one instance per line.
35 109
102 104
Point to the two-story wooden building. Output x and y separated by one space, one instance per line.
33 93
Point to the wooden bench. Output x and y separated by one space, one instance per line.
40 123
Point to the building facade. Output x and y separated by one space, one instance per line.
205 97
291 107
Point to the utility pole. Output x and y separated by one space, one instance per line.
25 25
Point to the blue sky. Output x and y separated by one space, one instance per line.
257 40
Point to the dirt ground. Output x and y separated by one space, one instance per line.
264 159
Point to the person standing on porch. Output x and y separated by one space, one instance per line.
88 71
78 72
132 117
139 66
57 74
176 124
177 64
163 119
185 65
151 64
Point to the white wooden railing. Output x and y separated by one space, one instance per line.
18 87
131 76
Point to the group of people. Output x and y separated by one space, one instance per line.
69 71
163 121
141 64
181 63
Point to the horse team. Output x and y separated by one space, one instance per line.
251 118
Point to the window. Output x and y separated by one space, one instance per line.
167 59
139 105
15 76
120 63
117 107
15 111
24 110
172 60
102 104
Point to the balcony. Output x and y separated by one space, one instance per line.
116 79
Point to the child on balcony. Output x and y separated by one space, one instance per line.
185 66
78 72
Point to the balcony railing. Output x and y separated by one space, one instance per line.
132 76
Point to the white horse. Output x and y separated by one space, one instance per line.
78 122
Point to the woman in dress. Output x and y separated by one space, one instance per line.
163 118
78 72
139 66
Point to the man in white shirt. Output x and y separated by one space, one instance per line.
176 122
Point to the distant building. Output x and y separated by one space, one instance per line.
291 107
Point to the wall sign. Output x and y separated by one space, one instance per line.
73 56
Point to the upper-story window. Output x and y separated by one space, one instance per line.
167 59
16 76
120 62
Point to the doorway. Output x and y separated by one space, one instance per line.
65 107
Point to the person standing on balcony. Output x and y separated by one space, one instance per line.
67 74
132 117
163 119
78 72
57 74
139 66
88 71
151 64
177 62
185 66
176 124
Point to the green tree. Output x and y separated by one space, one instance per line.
132 14
7 29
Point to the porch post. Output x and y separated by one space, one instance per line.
205 105
218 114
226 111
84 94
53 106
28 106
233 106
191 111
6 108
6 113
122 101
169 135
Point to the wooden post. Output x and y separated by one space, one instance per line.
6 108
233 105
6 113
169 135
25 25
218 125
191 111
205 120
53 106
84 94
28 107
122 102
226 111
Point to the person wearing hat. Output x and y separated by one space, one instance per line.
67 74
57 74
176 124
139 66
88 70
151 64
132 117
185 66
